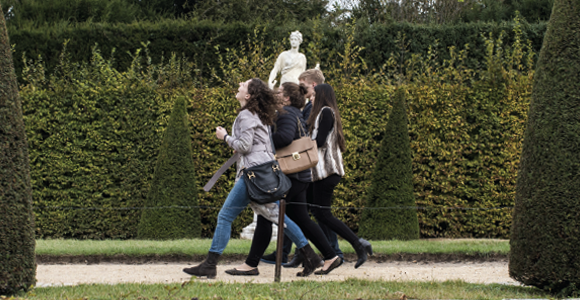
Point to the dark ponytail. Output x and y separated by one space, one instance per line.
296 94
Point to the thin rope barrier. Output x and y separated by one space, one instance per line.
308 204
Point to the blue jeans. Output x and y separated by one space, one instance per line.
235 203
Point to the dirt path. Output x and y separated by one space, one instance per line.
475 272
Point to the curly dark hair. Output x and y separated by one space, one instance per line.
296 94
262 101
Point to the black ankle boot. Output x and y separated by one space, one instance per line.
271 258
367 245
207 268
296 260
311 261
361 253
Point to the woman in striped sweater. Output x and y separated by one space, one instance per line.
326 129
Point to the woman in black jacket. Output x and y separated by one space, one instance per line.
285 131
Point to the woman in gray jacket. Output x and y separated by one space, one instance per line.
250 138
290 126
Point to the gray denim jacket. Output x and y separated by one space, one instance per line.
250 138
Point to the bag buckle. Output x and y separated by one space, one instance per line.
295 156
275 168
250 176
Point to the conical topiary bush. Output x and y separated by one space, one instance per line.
173 185
390 212
17 260
545 236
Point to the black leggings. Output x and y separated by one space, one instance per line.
323 191
297 211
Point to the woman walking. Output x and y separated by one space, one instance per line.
325 127
290 126
250 138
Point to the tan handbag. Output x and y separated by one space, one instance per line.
300 155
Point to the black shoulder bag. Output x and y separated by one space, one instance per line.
266 182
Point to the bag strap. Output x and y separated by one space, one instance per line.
271 141
301 131
221 171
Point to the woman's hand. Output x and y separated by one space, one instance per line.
220 132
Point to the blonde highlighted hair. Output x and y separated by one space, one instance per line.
312 75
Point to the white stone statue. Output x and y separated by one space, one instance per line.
290 63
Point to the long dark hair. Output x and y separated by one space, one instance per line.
296 94
324 96
262 101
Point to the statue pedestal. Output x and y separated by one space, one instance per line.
248 231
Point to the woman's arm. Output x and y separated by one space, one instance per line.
286 126
244 139
325 125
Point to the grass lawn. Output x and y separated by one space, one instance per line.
58 247
302 289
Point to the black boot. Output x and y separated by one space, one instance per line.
207 268
367 245
271 258
311 261
296 261
361 253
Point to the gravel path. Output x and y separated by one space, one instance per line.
475 272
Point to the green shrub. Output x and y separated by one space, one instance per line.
173 185
392 183
94 134
18 264
546 226
204 41
497 11
41 13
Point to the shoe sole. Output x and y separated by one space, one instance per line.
335 264
241 273
198 276
271 262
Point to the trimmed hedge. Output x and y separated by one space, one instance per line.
465 126
173 185
95 135
201 41
546 226
392 183
17 259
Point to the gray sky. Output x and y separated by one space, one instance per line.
343 3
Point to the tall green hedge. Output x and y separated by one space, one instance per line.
465 125
173 185
546 228
17 259
201 41
392 183
94 134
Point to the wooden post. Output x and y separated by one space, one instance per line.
280 241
